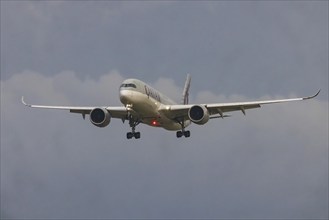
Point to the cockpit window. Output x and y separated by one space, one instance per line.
131 85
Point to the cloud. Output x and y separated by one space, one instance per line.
170 88
270 164
269 46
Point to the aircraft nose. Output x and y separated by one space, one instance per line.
126 96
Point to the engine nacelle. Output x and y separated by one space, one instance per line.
100 117
198 114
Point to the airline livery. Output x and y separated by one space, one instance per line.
144 104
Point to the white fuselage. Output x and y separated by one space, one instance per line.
144 102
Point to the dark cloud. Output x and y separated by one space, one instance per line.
276 44
273 163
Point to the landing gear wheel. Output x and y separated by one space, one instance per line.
187 134
179 134
137 135
130 135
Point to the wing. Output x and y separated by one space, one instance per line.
180 111
116 112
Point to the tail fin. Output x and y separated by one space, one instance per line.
186 89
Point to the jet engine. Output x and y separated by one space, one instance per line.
198 114
100 117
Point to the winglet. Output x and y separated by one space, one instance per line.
311 97
25 102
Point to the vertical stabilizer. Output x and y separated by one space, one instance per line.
186 89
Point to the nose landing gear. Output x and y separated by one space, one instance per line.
133 123
183 133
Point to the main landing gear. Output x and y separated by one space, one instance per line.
136 135
133 123
182 132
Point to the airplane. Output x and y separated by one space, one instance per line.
144 104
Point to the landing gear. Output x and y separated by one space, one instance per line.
130 135
181 133
133 123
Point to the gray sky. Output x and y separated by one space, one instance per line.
273 163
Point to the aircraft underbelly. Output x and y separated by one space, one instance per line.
146 109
